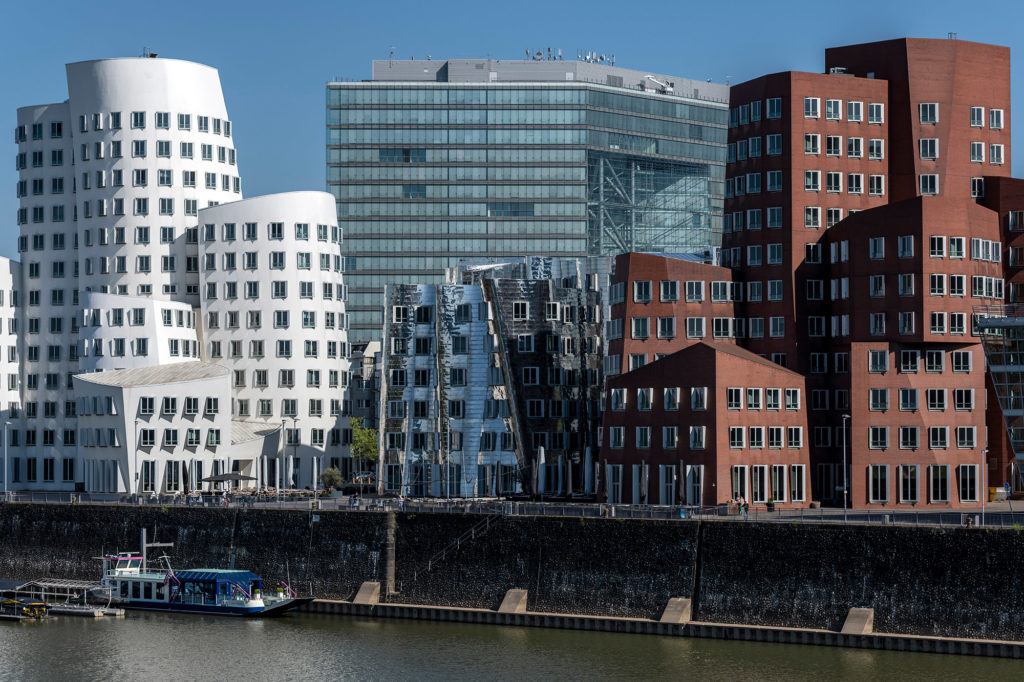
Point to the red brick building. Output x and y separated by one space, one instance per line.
868 212
703 425
660 305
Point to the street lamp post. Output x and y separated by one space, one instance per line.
280 461
295 445
981 482
135 491
7 474
846 480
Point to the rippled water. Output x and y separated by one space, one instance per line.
317 647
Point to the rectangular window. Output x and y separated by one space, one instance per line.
811 107
878 478
977 117
876 113
929 184
928 148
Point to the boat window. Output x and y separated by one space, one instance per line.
135 589
122 563
161 594
135 563
147 590
124 589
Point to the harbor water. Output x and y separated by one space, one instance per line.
319 647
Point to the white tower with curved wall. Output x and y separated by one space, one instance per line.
273 312
110 185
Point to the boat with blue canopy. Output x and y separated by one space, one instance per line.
131 583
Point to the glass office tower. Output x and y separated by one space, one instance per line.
435 161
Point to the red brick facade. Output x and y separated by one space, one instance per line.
703 425
866 216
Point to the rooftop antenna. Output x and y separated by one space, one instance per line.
146 52
951 35
391 55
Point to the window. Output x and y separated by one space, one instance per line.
854 112
876 149
855 147
929 184
878 361
774 144
977 152
812 180
977 187
520 310
855 183
977 117
737 436
812 143
876 113
876 248
967 481
995 154
929 112
833 110
811 107
774 107
928 148
812 216
995 119
642 291
938 483
908 399
666 327
960 360
878 489
876 185
833 182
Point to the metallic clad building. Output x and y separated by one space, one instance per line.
434 161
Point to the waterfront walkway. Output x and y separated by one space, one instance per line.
1000 514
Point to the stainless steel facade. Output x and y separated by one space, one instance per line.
491 386
432 162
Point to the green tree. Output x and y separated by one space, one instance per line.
331 478
364 443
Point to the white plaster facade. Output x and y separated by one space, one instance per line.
171 424
273 312
112 184
124 332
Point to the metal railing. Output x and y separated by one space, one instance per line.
991 517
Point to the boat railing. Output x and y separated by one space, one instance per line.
289 588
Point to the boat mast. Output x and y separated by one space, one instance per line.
150 544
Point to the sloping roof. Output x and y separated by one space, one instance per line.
744 354
175 373
242 431
658 367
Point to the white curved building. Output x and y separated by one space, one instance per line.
273 312
151 146
110 185
125 332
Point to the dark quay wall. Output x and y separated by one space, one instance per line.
956 582
330 557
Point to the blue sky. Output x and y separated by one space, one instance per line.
274 57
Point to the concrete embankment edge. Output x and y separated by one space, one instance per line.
749 633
